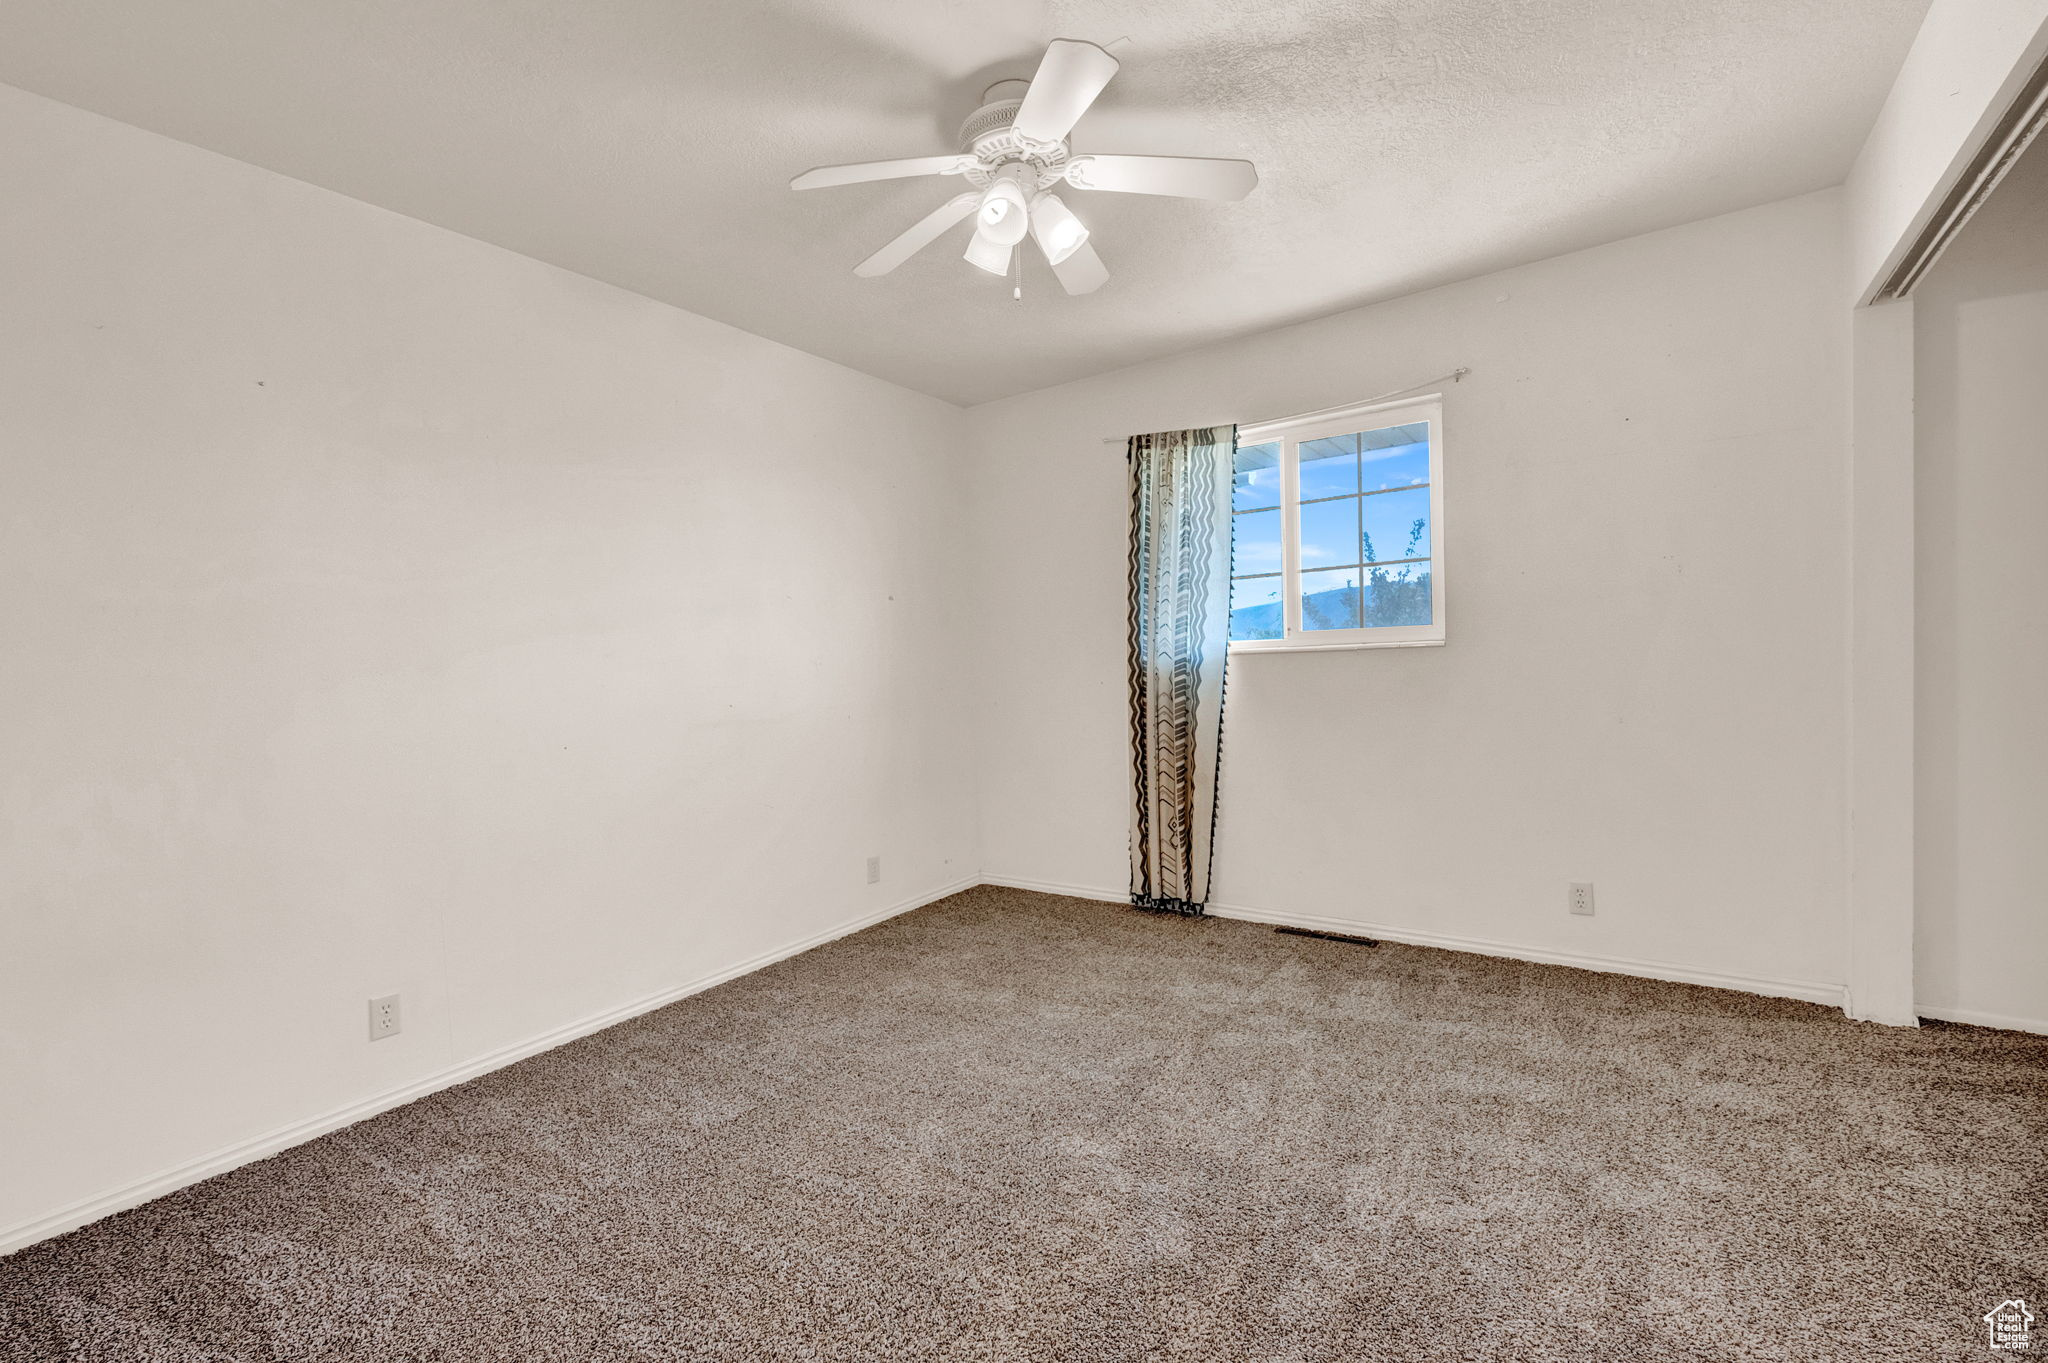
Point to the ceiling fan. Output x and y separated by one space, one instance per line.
1016 152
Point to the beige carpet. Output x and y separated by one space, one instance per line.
1012 1126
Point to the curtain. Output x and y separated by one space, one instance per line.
1180 631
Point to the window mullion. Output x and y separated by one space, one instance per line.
1290 538
1358 534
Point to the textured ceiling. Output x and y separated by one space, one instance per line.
1401 143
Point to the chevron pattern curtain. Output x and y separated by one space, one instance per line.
1180 632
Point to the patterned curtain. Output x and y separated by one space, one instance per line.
1180 630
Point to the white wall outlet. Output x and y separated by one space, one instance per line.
383 1017
874 870
1582 897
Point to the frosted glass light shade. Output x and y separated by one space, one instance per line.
1004 214
1058 232
985 252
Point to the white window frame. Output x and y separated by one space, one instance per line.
1290 432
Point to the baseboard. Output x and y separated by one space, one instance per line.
1975 1018
1806 990
1809 991
1056 887
1890 1016
25 1233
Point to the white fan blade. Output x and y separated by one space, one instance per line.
988 253
1069 78
1185 177
1083 271
922 234
826 176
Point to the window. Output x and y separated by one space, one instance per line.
1337 530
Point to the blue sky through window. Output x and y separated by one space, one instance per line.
1363 523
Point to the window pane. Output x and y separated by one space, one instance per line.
1329 532
1414 433
1397 525
1256 608
1257 482
1402 463
1329 467
1255 542
1329 599
1398 595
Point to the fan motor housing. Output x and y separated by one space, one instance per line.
993 117
986 135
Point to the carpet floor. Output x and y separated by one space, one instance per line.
1013 1126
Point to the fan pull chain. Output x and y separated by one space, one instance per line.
1017 265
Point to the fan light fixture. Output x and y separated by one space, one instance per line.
985 252
1005 215
1056 230
1016 150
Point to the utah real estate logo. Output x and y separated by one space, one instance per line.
2011 1324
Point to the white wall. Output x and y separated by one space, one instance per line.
388 612
1878 697
1981 324
1644 685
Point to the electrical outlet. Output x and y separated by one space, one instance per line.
1582 897
874 870
383 1017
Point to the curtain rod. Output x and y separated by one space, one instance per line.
1455 376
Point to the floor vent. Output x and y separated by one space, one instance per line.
1330 936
